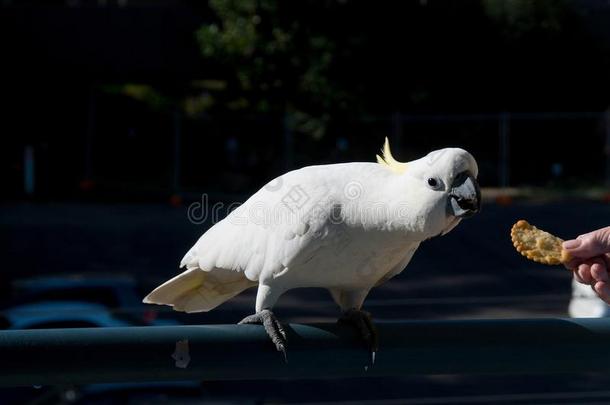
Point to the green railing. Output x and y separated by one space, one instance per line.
221 352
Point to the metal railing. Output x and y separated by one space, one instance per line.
234 352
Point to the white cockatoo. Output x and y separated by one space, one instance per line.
345 227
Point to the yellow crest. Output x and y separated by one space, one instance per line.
386 159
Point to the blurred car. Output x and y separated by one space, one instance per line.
76 314
58 314
585 303
118 293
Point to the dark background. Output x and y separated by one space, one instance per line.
123 114
142 99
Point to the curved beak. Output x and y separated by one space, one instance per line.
465 196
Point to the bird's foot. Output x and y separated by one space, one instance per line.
363 323
272 326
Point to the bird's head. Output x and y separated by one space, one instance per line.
443 183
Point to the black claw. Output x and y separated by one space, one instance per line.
282 349
272 326
279 327
363 323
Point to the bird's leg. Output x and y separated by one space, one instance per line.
350 302
363 323
272 326
265 298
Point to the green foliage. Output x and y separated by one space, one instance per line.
273 63
520 18
322 62
141 92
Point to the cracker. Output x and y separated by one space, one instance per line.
538 245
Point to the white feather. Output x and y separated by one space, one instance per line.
345 227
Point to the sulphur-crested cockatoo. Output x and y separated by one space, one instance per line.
345 227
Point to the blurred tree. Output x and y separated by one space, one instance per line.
274 62
348 59
519 18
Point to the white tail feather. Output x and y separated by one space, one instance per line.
196 290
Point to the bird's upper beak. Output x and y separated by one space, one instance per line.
464 197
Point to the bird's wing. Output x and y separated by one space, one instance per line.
276 229
283 223
265 235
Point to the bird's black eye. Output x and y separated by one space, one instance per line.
432 182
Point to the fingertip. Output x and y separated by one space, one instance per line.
603 291
584 271
599 272
571 244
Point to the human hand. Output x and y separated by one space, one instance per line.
590 261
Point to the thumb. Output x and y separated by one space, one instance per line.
590 244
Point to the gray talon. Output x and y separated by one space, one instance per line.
272 326
363 323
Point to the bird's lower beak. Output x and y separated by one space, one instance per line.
465 197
